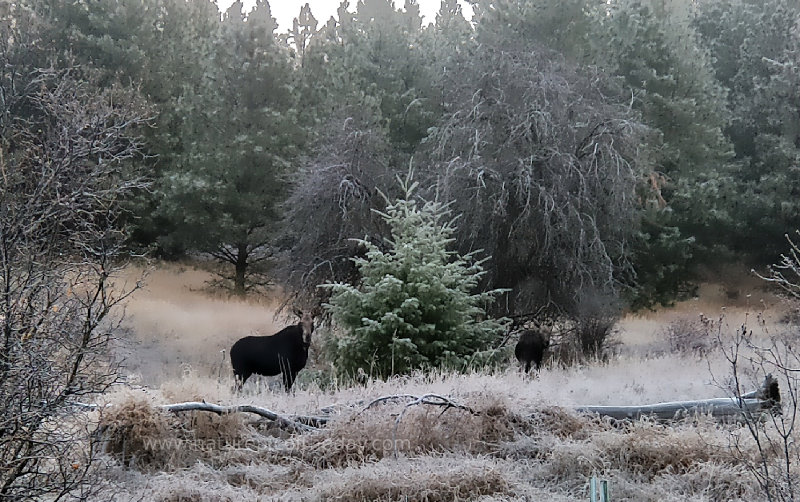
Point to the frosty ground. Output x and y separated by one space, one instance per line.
518 440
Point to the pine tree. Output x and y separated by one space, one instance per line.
414 307
242 136
754 46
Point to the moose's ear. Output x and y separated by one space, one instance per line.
317 311
297 312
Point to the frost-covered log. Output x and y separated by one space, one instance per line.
765 400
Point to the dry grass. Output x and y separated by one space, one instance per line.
521 442
437 479
138 434
356 438
646 450
176 325
500 452
692 336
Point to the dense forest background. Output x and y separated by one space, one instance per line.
544 165
602 153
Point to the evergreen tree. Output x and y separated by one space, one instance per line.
161 48
376 53
243 133
755 49
566 26
668 75
366 79
414 306
541 163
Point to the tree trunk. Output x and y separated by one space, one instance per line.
241 269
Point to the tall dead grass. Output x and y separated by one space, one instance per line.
498 451
175 323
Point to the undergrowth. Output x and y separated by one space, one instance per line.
489 448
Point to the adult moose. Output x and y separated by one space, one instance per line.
285 352
530 348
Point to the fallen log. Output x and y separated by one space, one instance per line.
751 406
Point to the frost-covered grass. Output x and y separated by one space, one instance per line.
509 449
522 442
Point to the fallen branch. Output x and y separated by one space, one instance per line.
384 399
306 423
299 423
316 422
765 400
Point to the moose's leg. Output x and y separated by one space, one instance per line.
241 378
527 366
288 379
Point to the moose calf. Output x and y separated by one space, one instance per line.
285 352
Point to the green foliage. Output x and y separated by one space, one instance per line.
414 307
755 50
655 49
562 25
374 58
243 132
159 47
662 266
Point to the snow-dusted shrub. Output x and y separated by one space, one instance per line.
415 305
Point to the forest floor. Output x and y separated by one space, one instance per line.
520 441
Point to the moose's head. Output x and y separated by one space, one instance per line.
306 323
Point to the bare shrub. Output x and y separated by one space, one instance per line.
692 335
68 147
588 332
767 445
596 313
333 201
786 273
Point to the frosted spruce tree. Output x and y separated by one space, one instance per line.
415 306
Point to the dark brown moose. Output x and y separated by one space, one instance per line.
531 347
285 352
